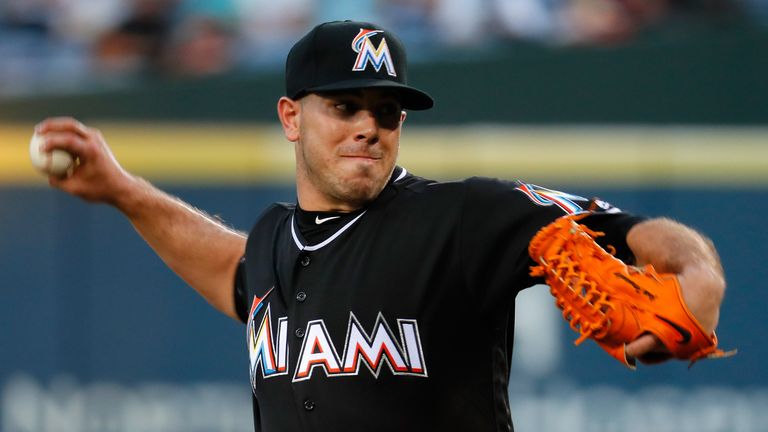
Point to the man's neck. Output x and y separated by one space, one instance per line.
324 205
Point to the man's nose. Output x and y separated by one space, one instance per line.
367 127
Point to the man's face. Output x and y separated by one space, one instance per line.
346 147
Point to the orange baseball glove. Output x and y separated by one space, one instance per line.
611 302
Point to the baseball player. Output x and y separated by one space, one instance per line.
379 300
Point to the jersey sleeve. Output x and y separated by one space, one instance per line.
241 292
255 270
501 217
615 227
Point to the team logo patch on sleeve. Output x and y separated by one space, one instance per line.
547 197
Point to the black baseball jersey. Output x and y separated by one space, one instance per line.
399 316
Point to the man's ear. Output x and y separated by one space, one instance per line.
289 112
403 115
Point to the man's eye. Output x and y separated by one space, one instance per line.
346 107
388 110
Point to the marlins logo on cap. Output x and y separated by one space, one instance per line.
368 53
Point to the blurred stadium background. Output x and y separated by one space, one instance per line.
658 106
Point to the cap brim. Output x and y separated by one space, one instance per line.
410 98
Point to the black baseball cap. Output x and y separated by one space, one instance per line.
349 55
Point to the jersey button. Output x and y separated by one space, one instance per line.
299 332
309 405
304 260
301 296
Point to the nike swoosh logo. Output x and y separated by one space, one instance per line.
685 335
319 221
638 288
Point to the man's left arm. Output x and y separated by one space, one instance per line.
672 247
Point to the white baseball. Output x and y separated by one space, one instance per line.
56 162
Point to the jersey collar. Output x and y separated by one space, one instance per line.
398 174
299 239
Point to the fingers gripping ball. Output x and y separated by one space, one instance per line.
604 299
55 162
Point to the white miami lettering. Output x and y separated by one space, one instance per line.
372 349
317 350
368 53
261 347
403 357
409 333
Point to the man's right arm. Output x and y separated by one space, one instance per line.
200 249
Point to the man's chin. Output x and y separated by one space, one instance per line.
360 192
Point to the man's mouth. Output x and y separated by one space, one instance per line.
362 157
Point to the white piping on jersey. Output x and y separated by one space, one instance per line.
326 241
402 174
